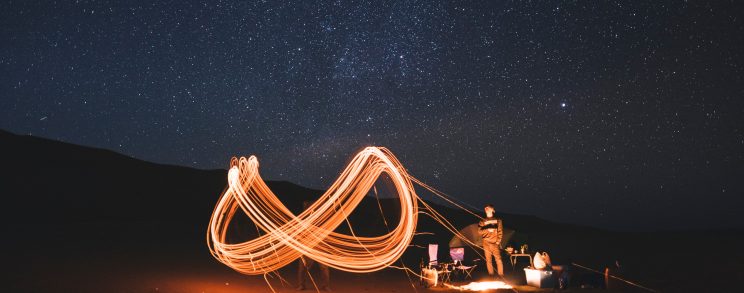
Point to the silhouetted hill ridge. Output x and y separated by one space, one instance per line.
68 182
99 202
47 180
50 181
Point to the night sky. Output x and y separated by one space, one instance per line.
620 115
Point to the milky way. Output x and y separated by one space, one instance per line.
612 114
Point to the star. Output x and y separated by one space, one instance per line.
477 98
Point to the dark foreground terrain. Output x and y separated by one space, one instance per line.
78 219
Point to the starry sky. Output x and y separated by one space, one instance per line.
616 114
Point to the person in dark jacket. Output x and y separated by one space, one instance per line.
305 264
492 231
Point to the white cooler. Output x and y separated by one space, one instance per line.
539 278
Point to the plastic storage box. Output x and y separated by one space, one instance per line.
539 278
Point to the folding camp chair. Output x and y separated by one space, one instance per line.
434 273
458 254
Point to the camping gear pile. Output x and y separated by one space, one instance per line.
436 273
541 275
545 275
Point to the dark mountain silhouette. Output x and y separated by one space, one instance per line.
60 182
63 182
64 202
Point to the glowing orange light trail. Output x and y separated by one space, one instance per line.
310 233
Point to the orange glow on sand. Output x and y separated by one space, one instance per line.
483 286
286 236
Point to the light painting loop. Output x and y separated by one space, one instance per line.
286 236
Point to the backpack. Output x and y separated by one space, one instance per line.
541 260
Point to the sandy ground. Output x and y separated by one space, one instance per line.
114 273
167 257
218 279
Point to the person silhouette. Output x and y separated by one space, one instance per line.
305 264
492 231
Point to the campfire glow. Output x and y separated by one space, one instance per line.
483 286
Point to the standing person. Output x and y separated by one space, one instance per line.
492 231
306 263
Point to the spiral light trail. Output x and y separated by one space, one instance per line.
287 236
